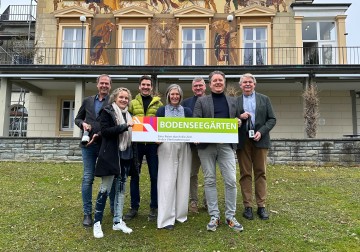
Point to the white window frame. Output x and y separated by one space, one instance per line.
120 42
192 47
71 118
267 26
134 50
254 43
205 44
76 48
323 46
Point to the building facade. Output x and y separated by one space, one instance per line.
288 45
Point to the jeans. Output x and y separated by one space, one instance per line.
224 154
89 155
107 183
150 151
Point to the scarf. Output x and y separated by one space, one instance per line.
125 137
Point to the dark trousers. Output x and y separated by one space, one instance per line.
150 152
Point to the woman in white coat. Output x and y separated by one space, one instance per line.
174 167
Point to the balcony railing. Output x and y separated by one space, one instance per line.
19 13
183 56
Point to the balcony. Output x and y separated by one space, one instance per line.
182 56
19 13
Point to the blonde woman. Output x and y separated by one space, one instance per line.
115 157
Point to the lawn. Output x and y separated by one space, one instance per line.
311 209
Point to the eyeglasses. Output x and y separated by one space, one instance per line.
249 82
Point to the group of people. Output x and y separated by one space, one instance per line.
174 167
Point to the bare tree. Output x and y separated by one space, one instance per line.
311 111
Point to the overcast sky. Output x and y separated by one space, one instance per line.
353 19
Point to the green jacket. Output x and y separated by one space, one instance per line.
136 107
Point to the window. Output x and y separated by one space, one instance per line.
18 121
73 51
255 49
133 44
319 39
67 115
193 44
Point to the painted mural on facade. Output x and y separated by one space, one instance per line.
168 6
224 40
164 45
163 41
102 39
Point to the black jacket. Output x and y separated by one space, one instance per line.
108 162
87 114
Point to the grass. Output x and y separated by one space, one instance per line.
312 209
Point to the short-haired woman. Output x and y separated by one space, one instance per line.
174 167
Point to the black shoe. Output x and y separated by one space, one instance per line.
248 213
169 227
262 213
131 214
152 214
87 222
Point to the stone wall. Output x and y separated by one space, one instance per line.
40 149
344 152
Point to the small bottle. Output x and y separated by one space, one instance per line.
85 138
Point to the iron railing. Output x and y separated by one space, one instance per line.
19 13
182 56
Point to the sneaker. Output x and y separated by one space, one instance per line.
131 214
152 214
234 224
122 226
214 222
98 233
193 208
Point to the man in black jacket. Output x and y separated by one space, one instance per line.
86 121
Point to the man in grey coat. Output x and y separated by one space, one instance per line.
218 105
258 119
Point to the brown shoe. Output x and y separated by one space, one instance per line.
193 208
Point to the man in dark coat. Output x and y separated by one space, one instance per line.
258 119
86 121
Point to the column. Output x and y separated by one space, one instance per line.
299 40
5 100
79 96
340 24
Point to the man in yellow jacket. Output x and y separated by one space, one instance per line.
144 104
